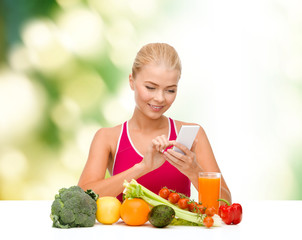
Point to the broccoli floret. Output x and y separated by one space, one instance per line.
92 194
73 207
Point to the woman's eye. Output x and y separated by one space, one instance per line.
171 91
150 88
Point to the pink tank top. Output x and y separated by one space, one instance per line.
167 175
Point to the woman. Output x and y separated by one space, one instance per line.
135 149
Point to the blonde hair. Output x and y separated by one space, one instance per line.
156 53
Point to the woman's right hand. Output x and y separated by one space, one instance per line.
154 158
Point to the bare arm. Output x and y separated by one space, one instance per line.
206 159
200 159
93 175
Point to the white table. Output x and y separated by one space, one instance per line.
261 220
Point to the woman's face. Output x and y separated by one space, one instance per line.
155 88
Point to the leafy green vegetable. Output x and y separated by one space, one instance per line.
73 207
182 222
92 194
136 190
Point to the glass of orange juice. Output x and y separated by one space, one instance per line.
209 189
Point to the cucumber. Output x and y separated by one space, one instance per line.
161 215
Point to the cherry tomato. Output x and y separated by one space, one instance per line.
183 203
208 222
173 197
192 206
164 193
210 211
200 208
196 207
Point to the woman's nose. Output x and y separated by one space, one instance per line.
159 96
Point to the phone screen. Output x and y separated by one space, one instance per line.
186 136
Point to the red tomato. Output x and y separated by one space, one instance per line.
208 222
201 208
192 206
164 193
210 211
173 197
183 203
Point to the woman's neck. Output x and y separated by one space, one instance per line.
140 121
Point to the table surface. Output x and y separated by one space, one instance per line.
261 220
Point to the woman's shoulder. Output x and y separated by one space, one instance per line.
111 134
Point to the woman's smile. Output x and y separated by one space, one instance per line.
156 108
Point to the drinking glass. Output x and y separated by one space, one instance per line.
209 189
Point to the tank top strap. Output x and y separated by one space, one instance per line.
124 141
173 130
122 145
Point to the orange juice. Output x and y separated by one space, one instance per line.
209 189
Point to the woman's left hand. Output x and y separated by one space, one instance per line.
186 163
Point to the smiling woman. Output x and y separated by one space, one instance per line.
135 149
155 85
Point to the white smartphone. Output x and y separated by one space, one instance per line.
186 136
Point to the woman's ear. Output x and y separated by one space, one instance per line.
131 81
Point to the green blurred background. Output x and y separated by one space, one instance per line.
64 68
